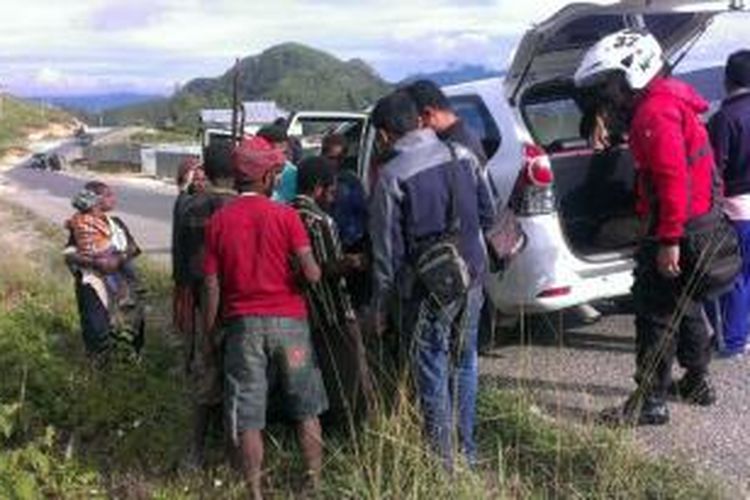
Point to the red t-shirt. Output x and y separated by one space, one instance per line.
250 243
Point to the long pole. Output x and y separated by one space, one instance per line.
235 101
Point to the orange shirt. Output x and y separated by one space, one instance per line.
92 233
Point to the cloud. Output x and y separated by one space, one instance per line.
158 42
119 16
49 76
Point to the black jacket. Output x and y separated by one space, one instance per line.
730 138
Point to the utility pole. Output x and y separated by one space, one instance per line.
2 99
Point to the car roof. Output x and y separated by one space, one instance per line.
474 86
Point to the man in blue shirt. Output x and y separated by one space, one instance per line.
286 188
729 129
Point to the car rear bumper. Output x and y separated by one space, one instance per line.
546 276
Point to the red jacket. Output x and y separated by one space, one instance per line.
673 157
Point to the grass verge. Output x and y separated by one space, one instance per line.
67 431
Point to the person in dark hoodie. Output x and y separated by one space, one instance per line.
674 172
730 137
204 371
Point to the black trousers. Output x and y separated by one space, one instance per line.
669 323
95 321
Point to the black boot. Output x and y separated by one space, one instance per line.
637 410
694 389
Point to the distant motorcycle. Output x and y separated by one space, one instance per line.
44 161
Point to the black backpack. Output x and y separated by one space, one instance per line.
440 268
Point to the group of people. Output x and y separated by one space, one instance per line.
279 268
284 269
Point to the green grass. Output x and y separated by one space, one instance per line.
19 117
67 431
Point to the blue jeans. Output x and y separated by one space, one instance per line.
446 371
732 319
466 377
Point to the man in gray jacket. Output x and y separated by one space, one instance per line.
410 204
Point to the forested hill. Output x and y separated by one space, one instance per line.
293 75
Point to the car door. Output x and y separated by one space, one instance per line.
553 48
309 128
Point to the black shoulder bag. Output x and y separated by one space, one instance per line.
711 249
710 254
440 268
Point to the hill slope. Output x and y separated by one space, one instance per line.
456 75
19 118
293 75
95 103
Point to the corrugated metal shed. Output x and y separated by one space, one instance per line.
256 113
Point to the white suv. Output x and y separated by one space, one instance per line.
576 206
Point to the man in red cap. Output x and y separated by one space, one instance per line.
253 248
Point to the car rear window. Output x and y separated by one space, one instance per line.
553 121
477 117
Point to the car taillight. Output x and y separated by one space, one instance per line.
533 193
551 293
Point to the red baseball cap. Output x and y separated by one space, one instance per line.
253 157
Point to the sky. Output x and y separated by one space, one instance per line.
55 47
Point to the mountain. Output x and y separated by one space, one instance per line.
455 75
96 103
293 75
709 82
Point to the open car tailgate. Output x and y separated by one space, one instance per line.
553 49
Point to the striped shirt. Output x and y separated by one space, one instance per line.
329 300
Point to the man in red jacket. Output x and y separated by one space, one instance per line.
674 165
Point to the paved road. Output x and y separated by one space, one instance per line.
145 207
587 368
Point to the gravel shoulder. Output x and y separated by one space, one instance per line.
575 374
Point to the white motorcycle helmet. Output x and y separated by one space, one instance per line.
634 52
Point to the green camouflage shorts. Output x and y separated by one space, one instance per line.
267 352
